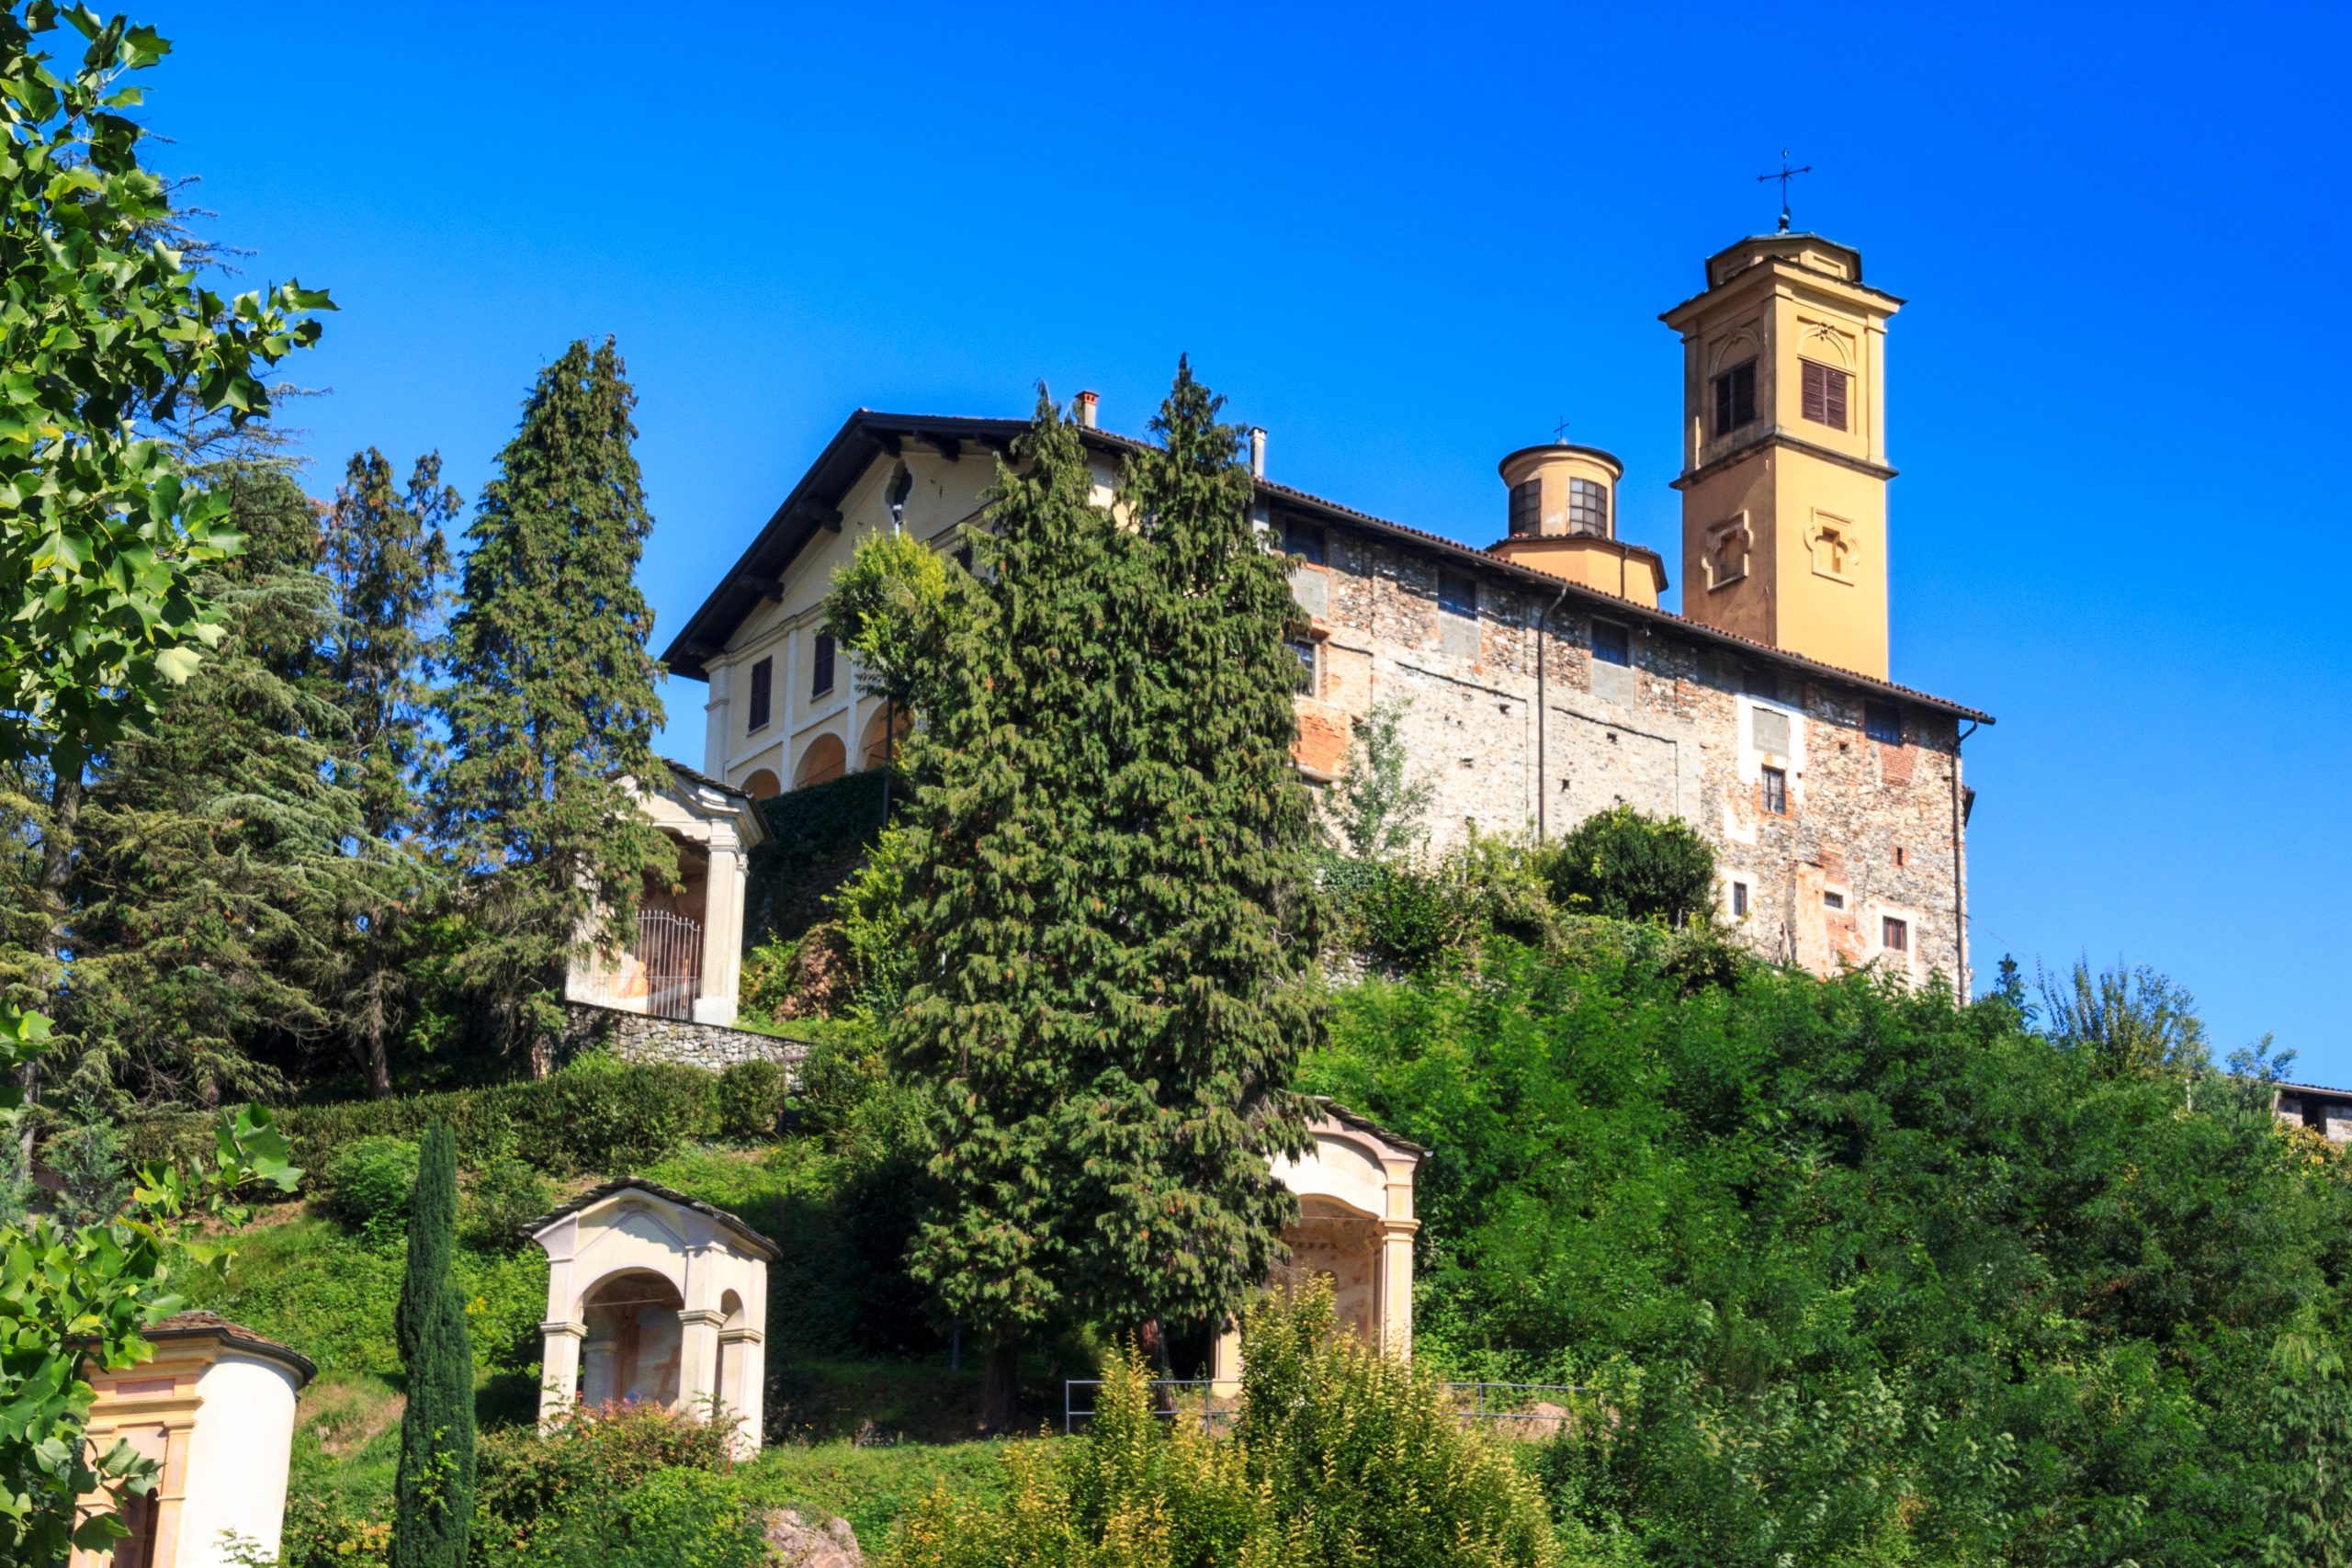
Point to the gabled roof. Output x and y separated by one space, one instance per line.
752 1240
814 505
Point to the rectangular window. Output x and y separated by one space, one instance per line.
1303 649
1833 900
1894 935
1457 594
1776 791
1883 722
1761 684
1739 901
1735 398
1303 540
821 668
1825 395
763 690
1611 643
1526 509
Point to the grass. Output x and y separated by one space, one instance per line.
871 1487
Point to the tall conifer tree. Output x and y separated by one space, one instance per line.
219 843
551 706
1208 833
433 1490
387 555
1007 901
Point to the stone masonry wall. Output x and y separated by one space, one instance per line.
1682 731
635 1037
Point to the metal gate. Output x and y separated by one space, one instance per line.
670 947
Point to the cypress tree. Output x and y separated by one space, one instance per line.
551 706
434 1492
387 556
1209 835
1007 902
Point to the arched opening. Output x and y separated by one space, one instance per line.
632 1352
826 760
880 745
728 1384
1340 1244
762 785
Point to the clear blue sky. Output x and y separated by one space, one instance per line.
1408 239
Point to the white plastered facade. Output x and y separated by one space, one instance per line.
1355 1231
715 827
712 1265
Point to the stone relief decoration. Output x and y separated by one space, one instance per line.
1825 341
1727 546
1831 540
1736 343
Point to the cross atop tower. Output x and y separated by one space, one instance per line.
1560 431
1785 175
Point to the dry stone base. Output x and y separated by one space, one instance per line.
635 1037
805 1543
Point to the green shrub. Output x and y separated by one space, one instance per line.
506 1194
1340 1456
610 1488
1628 866
596 1116
368 1185
750 1098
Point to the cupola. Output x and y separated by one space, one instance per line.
1563 521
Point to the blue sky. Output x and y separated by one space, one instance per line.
1406 240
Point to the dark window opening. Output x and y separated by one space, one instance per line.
1775 791
1303 540
1588 508
2315 1113
1883 722
1735 397
963 556
1739 901
763 691
1457 594
1894 935
1613 644
1833 900
1303 649
821 667
1761 684
1825 395
1526 509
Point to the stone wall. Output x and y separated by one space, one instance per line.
635 1037
1686 730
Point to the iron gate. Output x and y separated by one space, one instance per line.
670 947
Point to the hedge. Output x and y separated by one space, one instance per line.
597 1117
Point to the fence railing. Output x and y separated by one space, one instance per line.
670 947
1488 1401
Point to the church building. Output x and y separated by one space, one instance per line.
1541 680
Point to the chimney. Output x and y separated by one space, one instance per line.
1086 403
1257 451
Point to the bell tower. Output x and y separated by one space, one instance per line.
1784 465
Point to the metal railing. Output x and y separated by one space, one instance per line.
670 947
1482 1407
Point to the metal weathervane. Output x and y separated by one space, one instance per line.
1785 175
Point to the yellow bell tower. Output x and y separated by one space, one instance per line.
1784 465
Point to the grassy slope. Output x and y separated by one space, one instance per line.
870 1438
